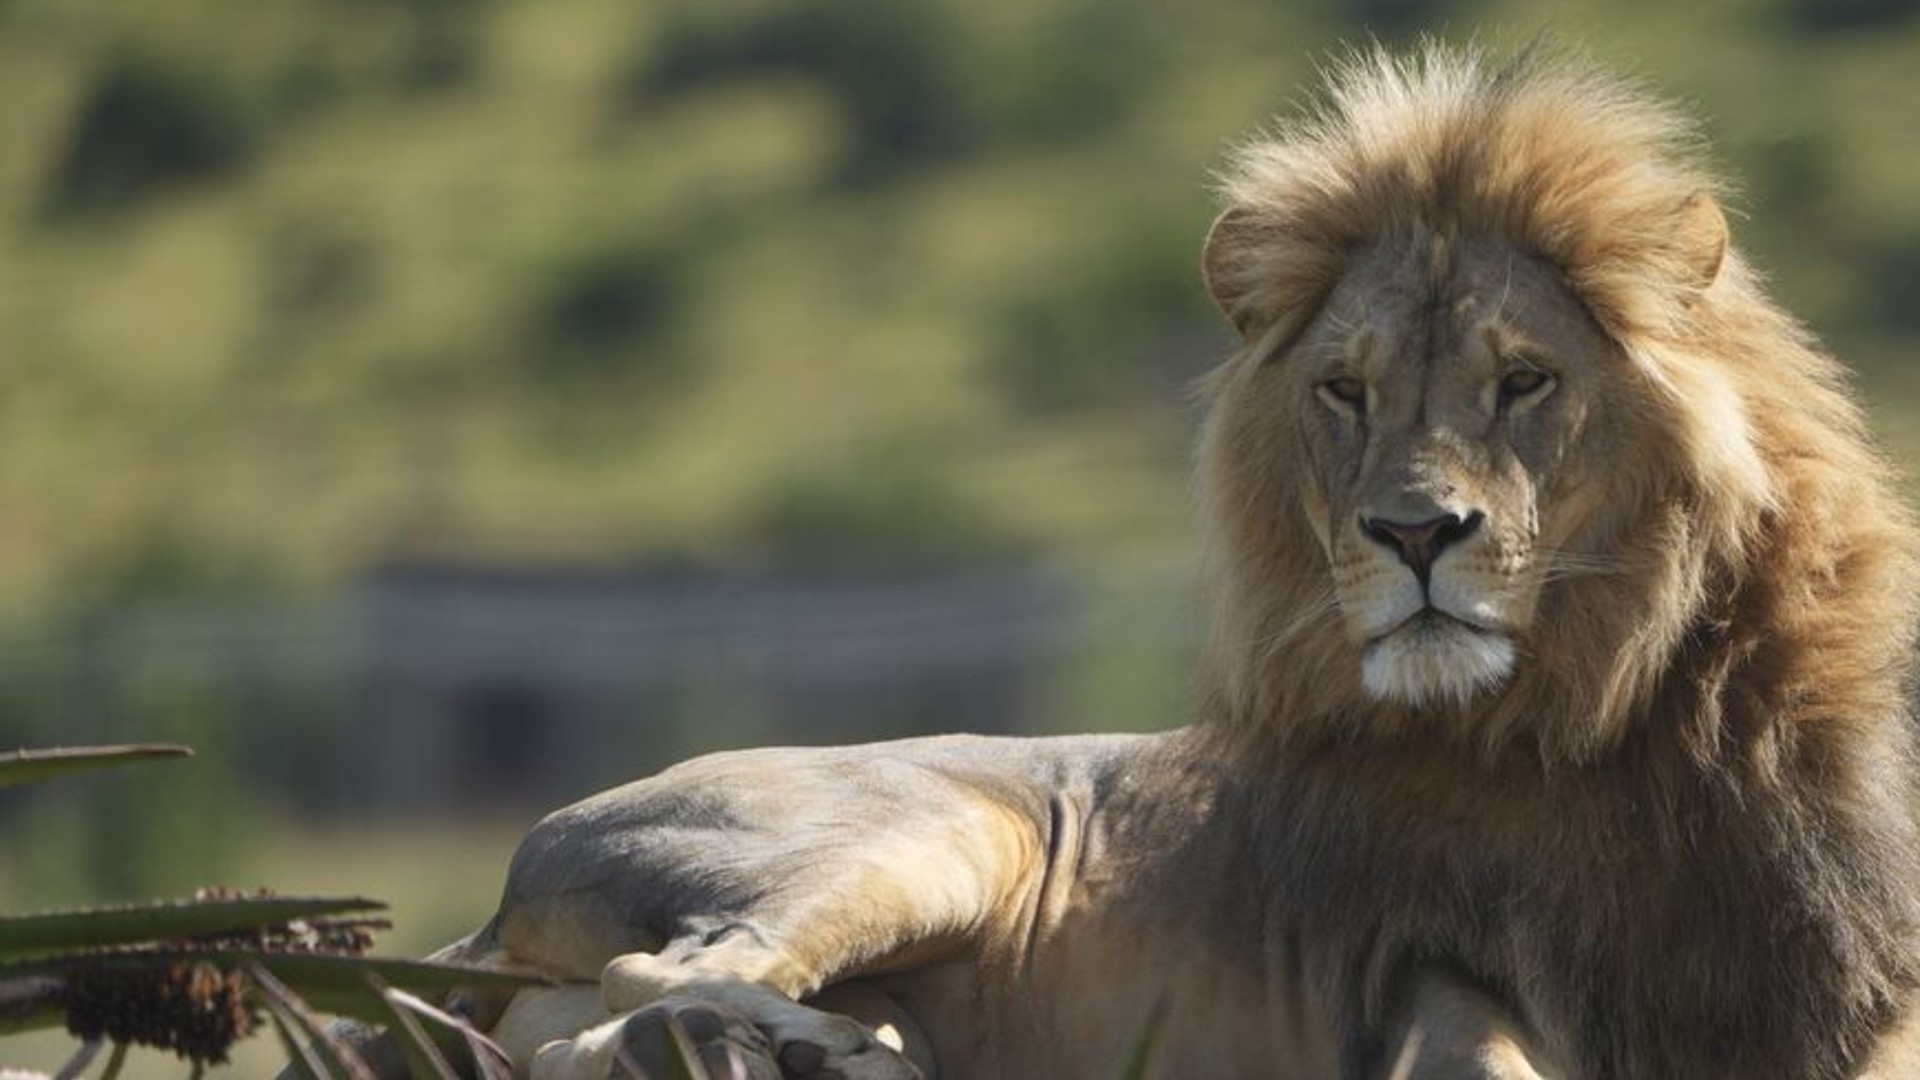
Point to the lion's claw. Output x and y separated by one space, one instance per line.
836 1048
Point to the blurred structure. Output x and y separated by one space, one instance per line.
450 686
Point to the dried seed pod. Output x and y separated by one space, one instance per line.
191 1008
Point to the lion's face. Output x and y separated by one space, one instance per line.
1451 402
1448 411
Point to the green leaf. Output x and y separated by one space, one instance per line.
302 1058
333 984
337 984
451 1034
76 1066
290 1012
116 1062
29 766
51 933
422 1051
685 1063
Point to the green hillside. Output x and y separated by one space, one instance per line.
288 289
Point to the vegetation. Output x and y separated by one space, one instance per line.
194 977
297 287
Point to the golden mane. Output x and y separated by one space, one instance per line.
1760 568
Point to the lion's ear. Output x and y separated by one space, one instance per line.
1702 238
1262 269
1224 265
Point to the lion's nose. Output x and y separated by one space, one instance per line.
1419 543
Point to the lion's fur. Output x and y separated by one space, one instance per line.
1668 837
1712 730
1763 477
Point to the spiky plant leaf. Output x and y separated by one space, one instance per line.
332 984
425 1061
337 984
287 1009
114 1063
302 1058
76 1066
55 932
29 766
453 1036
685 1062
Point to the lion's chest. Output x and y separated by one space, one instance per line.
1610 934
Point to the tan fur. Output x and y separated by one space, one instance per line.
1715 676
1553 724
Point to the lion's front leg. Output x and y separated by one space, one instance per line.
751 887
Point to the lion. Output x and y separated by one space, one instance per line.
1553 722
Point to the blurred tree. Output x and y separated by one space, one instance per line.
1081 68
1398 19
143 127
1847 15
601 315
892 66
893 512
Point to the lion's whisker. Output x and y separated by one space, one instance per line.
1563 565
1315 611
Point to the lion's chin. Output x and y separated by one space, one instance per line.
1433 660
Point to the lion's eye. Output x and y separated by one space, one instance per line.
1523 382
1345 391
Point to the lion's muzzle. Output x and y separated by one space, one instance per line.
1418 544
1430 596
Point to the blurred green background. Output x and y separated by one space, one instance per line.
434 409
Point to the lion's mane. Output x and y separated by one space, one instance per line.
1701 757
1758 569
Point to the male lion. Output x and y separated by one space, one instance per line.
1553 724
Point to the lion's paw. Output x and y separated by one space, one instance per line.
757 1036
652 1041
822 1046
725 1044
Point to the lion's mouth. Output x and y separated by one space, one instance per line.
1432 656
1431 620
